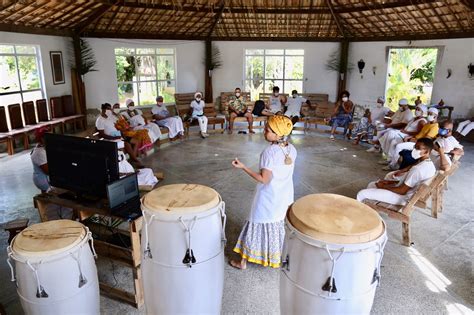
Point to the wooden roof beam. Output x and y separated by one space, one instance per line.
100 11
10 27
336 19
217 17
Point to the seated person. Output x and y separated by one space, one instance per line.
40 162
399 120
197 107
429 130
139 138
238 108
400 189
294 104
376 117
342 114
137 121
394 136
464 128
275 103
164 119
145 176
445 147
105 125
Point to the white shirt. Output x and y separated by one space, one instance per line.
38 156
418 174
107 125
448 144
402 117
198 108
413 124
271 201
160 110
275 104
136 119
378 114
294 105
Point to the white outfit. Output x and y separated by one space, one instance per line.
398 117
137 122
420 173
174 124
378 114
198 113
294 106
107 125
465 127
271 201
275 104
40 178
392 137
145 176
448 144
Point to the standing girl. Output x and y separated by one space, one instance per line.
197 106
262 236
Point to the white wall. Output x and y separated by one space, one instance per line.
47 44
101 86
457 91
316 78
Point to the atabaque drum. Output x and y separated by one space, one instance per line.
183 241
54 268
331 257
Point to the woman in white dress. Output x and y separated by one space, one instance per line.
197 106
163 119
138 121
262 236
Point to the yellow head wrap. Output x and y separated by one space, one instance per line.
281 125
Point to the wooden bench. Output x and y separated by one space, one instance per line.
149 117
5 136
226 97
63 111
403 213
183 102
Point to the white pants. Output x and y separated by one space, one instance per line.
465 127
387 138
153 131
202 120
395 153
383 195
174 125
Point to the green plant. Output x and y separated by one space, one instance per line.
335 63
214 59
88 61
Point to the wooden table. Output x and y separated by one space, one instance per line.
130 257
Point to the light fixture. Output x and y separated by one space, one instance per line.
361 65
470 68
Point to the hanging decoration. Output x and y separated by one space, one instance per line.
470 68
361 65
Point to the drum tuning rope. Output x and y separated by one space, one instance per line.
40 292
9 262
224 221
92 243
377 275
189 258
147 251
330 284
82 278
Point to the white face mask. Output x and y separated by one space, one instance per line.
416 154
276 94
198 99
345 99
159 103
430 118
131 107
295 95
418 113
379 105
108 113
116 110
237 94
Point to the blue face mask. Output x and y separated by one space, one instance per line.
443 132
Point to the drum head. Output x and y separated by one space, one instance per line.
48 238
187 198
335 219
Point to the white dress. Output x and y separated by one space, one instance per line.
174 124
137 122
145 176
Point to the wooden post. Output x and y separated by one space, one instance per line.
207 74
342 78
406 234
78 87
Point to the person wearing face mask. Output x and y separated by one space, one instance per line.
237 107
294 103
366 127
105 125
164 119
446 147
400 186
145 176
137 121
275 103
429 130
399 120
197 107
342 114
393 137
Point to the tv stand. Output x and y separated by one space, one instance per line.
79 198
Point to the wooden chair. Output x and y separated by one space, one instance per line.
29 113
17 127
4 131
69 112
183 100
43 116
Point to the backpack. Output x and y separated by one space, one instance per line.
258 108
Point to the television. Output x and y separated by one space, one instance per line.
83 166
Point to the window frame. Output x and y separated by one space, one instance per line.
137 74
264 78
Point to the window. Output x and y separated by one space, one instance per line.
144 73
21 75
266 68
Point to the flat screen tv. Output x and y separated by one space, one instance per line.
81 165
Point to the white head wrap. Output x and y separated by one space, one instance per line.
128 101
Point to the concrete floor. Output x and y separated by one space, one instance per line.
434 276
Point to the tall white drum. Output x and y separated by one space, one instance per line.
332 255
55 269
183 250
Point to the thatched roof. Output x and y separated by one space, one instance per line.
301 20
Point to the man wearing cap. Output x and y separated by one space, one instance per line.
197 106
399 120
429 131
